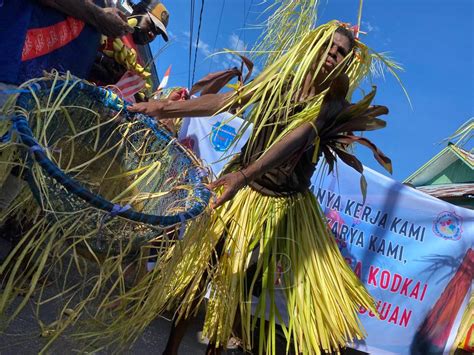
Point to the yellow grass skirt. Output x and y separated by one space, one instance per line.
296 253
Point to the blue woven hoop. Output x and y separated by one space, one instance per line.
111 101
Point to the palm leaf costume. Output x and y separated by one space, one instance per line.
322 293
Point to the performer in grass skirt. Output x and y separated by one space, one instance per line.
299 111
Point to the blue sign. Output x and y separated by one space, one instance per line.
222 136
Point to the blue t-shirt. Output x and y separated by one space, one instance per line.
34 38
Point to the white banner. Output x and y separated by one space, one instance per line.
412 251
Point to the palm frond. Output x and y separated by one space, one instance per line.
463 134
381 63
284 27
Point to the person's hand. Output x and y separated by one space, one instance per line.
111 22
231 183
151 108
179 95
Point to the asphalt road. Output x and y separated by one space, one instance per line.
23 335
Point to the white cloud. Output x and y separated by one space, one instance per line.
204 48
173 37
231 60
222 61
236 44
368 27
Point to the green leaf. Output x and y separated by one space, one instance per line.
360 124
363 187
357 109
329 157
381 158
349 159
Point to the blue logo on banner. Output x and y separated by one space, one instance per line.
448 225
222 136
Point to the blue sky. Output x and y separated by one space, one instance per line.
432 39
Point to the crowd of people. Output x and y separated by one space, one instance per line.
264 211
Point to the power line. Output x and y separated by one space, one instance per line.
217 33
245 21
191 35
197 40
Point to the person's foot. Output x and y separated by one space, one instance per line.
233 343
202 339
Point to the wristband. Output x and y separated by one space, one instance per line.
245 177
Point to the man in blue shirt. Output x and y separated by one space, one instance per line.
53 34
39 35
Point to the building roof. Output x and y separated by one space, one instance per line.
449 190
453 165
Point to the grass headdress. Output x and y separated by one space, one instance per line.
276 94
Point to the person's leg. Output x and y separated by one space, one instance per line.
237 326
213 350
178 328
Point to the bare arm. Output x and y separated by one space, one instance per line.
202 106
299 139
109 21
81 9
